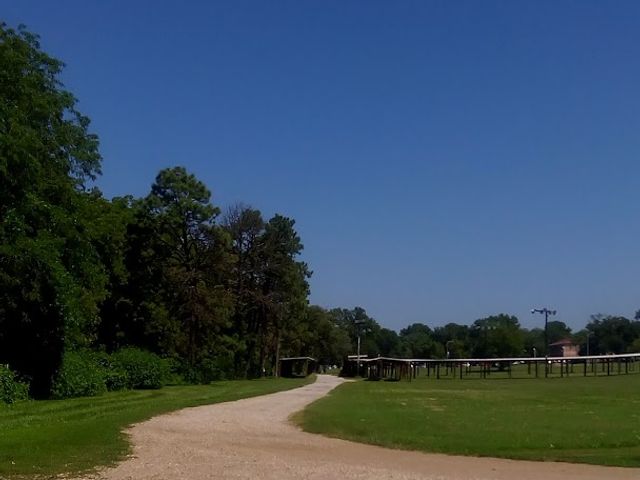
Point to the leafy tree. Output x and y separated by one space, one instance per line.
613 334
319 337
246 228
417 342
388 342
51 277
191 255
356 321
497 336
455 337
285 287
557 331
533 339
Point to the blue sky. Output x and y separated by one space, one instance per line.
443 160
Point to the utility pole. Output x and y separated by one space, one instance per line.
546 313
358 323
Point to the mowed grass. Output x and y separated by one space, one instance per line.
44 438
587 420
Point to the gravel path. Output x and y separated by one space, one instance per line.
252 439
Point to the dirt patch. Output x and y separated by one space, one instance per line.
253 439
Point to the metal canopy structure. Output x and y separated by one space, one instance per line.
297 366
390 368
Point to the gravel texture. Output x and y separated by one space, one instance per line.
253 439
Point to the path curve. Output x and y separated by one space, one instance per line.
253 439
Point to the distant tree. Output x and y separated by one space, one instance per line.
497 336
388 343
454 338
533 342
417 342
320 338
613 334
557 331
357 320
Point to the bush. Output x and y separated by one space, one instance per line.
115 378
80 375
11 390
208 370
142 369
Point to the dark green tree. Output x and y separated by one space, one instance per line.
356 321
319 337
454 338
557 331
245 227
533 339
612 334
51 276
417 342
285 287
388 342
497 336
191 256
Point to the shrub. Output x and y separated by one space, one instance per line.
115 378
142 369
11 389
80 375
209 370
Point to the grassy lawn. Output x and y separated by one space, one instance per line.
588 420
43 438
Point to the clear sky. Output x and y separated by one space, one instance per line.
444 160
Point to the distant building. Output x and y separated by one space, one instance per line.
564 348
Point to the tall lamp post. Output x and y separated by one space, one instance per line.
546 312
358 323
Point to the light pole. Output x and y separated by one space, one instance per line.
358 323
546 313
588 335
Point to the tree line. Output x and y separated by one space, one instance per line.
222 295
495 336
218 294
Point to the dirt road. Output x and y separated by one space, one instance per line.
252 439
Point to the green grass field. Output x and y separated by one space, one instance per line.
587 420
43 438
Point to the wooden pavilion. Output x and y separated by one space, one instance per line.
297 366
